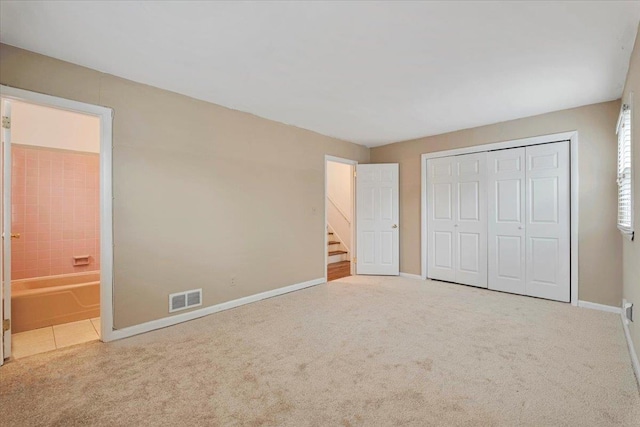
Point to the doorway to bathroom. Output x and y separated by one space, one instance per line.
53 205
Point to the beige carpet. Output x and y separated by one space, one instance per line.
357 351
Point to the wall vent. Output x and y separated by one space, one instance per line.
193 298
183 300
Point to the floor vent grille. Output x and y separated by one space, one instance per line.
183 300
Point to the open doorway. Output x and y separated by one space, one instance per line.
51 195
340 217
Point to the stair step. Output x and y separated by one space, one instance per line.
333 242
337 252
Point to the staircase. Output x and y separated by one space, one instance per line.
337 251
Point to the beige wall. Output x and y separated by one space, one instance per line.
202 193
599 242
631 250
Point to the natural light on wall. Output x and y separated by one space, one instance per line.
625 193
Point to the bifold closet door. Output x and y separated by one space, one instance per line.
548 230
529 221
457 219
506 242
441 197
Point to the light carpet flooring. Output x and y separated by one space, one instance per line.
357 351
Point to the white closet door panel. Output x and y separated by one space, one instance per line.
471 219
548 221
441 212
506 241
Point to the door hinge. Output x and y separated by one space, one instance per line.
6 325
355 260
6 122
355 174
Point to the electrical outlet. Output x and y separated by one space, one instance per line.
233 281
628 311
314 211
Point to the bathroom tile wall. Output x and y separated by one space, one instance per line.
55 209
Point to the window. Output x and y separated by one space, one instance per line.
625 191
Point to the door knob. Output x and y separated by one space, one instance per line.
15 235
394 226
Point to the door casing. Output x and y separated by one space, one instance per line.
106 194
354 243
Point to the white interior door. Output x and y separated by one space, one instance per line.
457 219
378 219
506 242
471 220
441 218
5 307
548 221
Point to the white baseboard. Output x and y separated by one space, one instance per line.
411 276
632 350
601 307
173 320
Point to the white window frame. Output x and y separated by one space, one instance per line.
625 110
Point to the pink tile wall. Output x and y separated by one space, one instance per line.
56 210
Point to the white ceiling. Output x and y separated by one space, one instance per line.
367 72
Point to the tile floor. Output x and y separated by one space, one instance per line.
52 337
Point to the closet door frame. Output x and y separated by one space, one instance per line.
572 137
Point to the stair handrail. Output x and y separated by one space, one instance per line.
338 208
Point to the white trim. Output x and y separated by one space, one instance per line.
571 136
423 217
600 307
353 163
5 180
173 320
543 139
632 350
106 190
575 218
411 276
